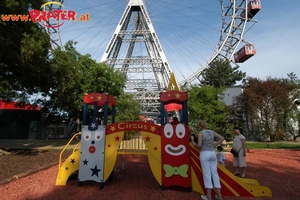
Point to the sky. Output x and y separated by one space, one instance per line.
189 32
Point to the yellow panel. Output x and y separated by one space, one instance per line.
111 151
68 168
153 143
172 83
195 183
132 152
260 191
155 166
250 181
251 185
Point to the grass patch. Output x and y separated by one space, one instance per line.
271 145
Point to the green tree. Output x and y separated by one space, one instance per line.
128 108
266 105
292 122
76 74
221 73
205 103
24 51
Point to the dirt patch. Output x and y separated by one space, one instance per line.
278 170
20 162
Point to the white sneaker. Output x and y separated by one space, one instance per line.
203 197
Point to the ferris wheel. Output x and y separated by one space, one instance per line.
235 17
52 26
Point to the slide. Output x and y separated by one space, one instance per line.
70 166
231 184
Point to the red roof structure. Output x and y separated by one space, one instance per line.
16 106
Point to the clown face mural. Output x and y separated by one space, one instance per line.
175 156
92 153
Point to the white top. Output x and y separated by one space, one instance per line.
220 157
237 141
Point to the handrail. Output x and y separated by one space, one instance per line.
76 146
132 144
62 151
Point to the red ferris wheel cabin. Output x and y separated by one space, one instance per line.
253 7
246 52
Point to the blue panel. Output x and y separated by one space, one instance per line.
185 112
105 113
162 112
84 115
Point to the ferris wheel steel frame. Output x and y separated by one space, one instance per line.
50 25
232 33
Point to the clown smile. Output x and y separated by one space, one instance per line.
175 151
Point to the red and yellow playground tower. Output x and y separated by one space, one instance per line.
175 148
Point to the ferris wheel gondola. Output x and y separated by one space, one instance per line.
253 7
246 52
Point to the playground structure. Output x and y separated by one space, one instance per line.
173 160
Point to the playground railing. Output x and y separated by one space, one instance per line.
132 143
63 150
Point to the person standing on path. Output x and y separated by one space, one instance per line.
208 159
239 144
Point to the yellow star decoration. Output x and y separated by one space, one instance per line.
112 128
99 98
91 97
152 128
177 96
169 95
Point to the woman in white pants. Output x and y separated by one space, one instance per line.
208 159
